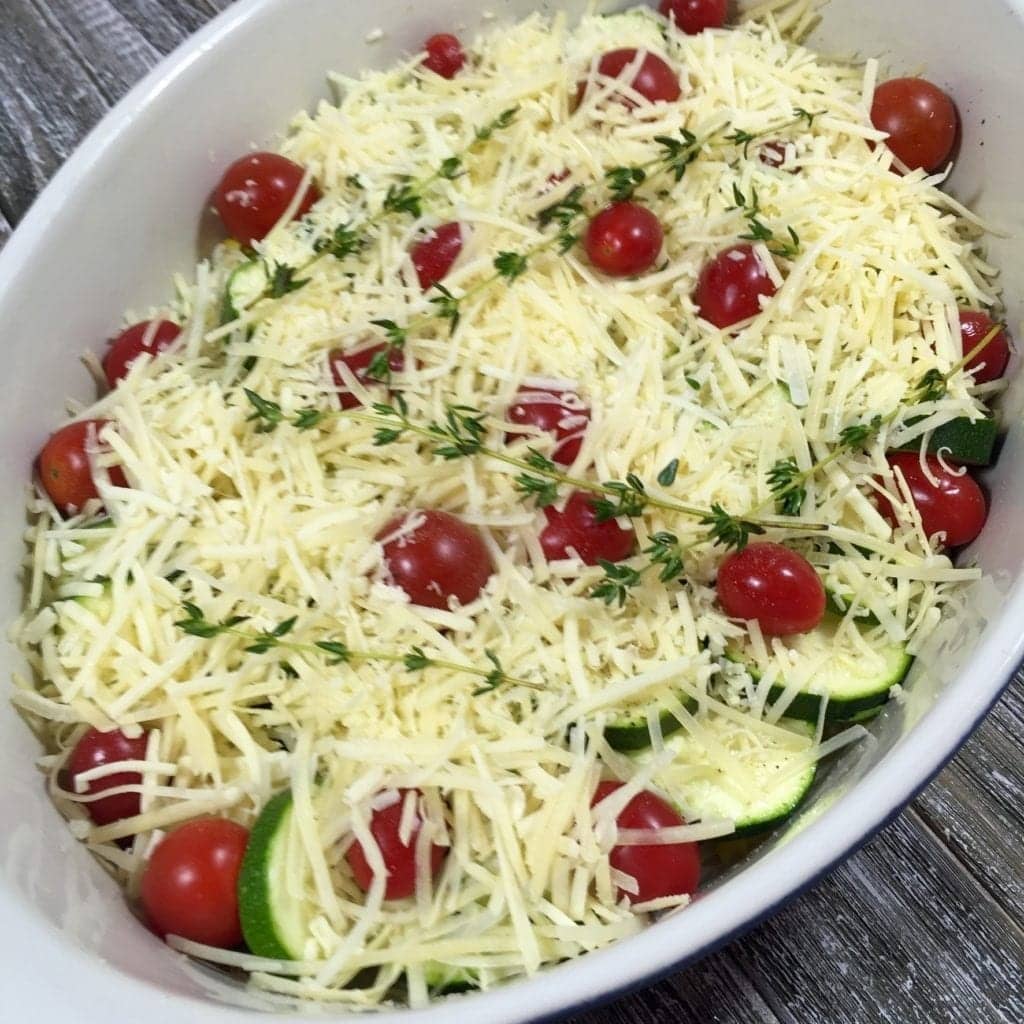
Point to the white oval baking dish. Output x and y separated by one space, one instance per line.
122 215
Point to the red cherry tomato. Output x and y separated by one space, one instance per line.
956 506
434 255
624 239
64 468
772 154
190 885
578 527
150 336
444 55
358 363
731 286
668 869
990 363
654 79
399 858
773 585
255 192
439 559
559 413
693 16
921 120
97 748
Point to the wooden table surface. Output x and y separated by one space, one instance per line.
925 925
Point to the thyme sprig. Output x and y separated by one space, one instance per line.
744 139
786 481
758 231
664 552
335 652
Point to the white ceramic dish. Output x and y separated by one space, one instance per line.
106 234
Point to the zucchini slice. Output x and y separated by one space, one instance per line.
969 442
245 285
447 979
852 681
630 731
275 921
753 775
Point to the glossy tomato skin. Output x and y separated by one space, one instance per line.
435 255
921 120
64 469
654 79
731 285
149 337
190 885
955 507
97 748
624 239
668 869
445 56
399 858
255 192
576 526
773 585
440 559
694 16
358 362
558 413
990 363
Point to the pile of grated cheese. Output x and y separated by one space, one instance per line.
281 524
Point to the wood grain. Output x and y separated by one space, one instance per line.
923 926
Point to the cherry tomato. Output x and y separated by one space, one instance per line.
399 858
578 527
444 55
439 559
693 16
956 506
772 154
731 286
774 586
255 192
559 413
150 336
190 885
624 239
97 748
921 120
667 869
358 363
64 468
654 79
434 255
990 363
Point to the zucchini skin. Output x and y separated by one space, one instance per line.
968 442
255 881
632 733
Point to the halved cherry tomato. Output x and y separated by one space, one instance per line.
439 559
435 255
255 193
731 285
654 79
358 363
190 885
150 336
97 748
954 506
64 468
577 527
773 585
990 363
559 413
693 16
399 857
624 239
665 869
445 56
921 120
